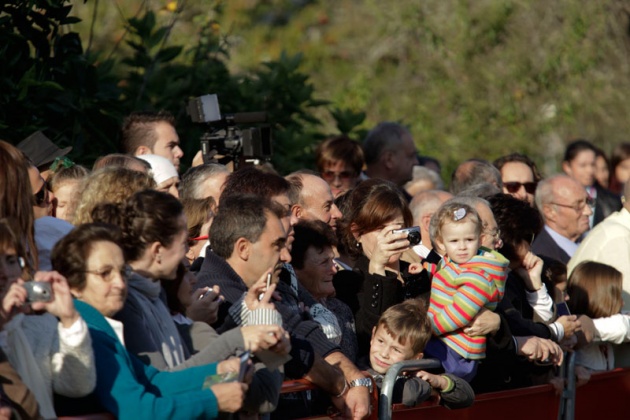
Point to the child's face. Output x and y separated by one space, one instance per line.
64 196
460 240
385 350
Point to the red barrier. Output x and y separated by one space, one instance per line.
533 403
606 395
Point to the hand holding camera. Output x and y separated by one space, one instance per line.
48 291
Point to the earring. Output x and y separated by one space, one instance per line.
358 244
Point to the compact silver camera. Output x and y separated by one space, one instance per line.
413 234
38 291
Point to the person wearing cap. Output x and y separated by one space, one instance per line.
145 133
164 174
42 152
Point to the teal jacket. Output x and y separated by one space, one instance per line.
129 389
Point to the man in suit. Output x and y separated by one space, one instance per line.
566 208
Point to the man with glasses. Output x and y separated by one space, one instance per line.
566 208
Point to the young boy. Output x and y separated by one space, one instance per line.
401 334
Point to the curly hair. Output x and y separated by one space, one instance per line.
517 220
110 184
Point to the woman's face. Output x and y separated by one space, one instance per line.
602 173
105 284
10 269
318 271
582 168
369 240
64 197
170 256
622 171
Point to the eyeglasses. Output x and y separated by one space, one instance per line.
588 201
41 196
495 233
107 274
512 187
331 175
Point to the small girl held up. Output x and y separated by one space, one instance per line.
467 279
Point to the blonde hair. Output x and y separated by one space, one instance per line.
449 212
111 184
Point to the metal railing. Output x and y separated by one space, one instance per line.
387 388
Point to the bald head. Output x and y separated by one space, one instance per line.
315 200
423 206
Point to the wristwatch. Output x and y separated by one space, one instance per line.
366 382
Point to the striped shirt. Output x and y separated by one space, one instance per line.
459 292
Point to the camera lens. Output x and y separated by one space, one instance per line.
413 238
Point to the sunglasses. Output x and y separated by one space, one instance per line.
41 196
330 175
512 187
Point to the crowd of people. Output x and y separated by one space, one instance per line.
132 290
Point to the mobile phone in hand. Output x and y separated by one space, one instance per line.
562 309
243 365
260 296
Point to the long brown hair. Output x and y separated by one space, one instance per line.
16 197
595 290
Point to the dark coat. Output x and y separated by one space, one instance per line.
545 245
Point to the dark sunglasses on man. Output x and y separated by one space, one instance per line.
512 187
41 196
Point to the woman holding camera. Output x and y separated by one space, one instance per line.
378 280
51 351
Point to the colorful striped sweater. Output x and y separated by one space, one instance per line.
459 292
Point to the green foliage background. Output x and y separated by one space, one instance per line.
470 78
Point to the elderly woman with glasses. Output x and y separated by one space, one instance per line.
93 262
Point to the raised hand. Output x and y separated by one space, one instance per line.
386 250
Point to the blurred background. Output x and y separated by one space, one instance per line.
470 78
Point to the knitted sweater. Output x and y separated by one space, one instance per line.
129 389
458 292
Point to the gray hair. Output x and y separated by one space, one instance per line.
484 189
424 202
474 172
196 176
544 192
385 136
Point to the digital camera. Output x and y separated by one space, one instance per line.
413 234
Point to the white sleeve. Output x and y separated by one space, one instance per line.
541 303
73 369
613 329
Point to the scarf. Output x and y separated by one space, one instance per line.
146 295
